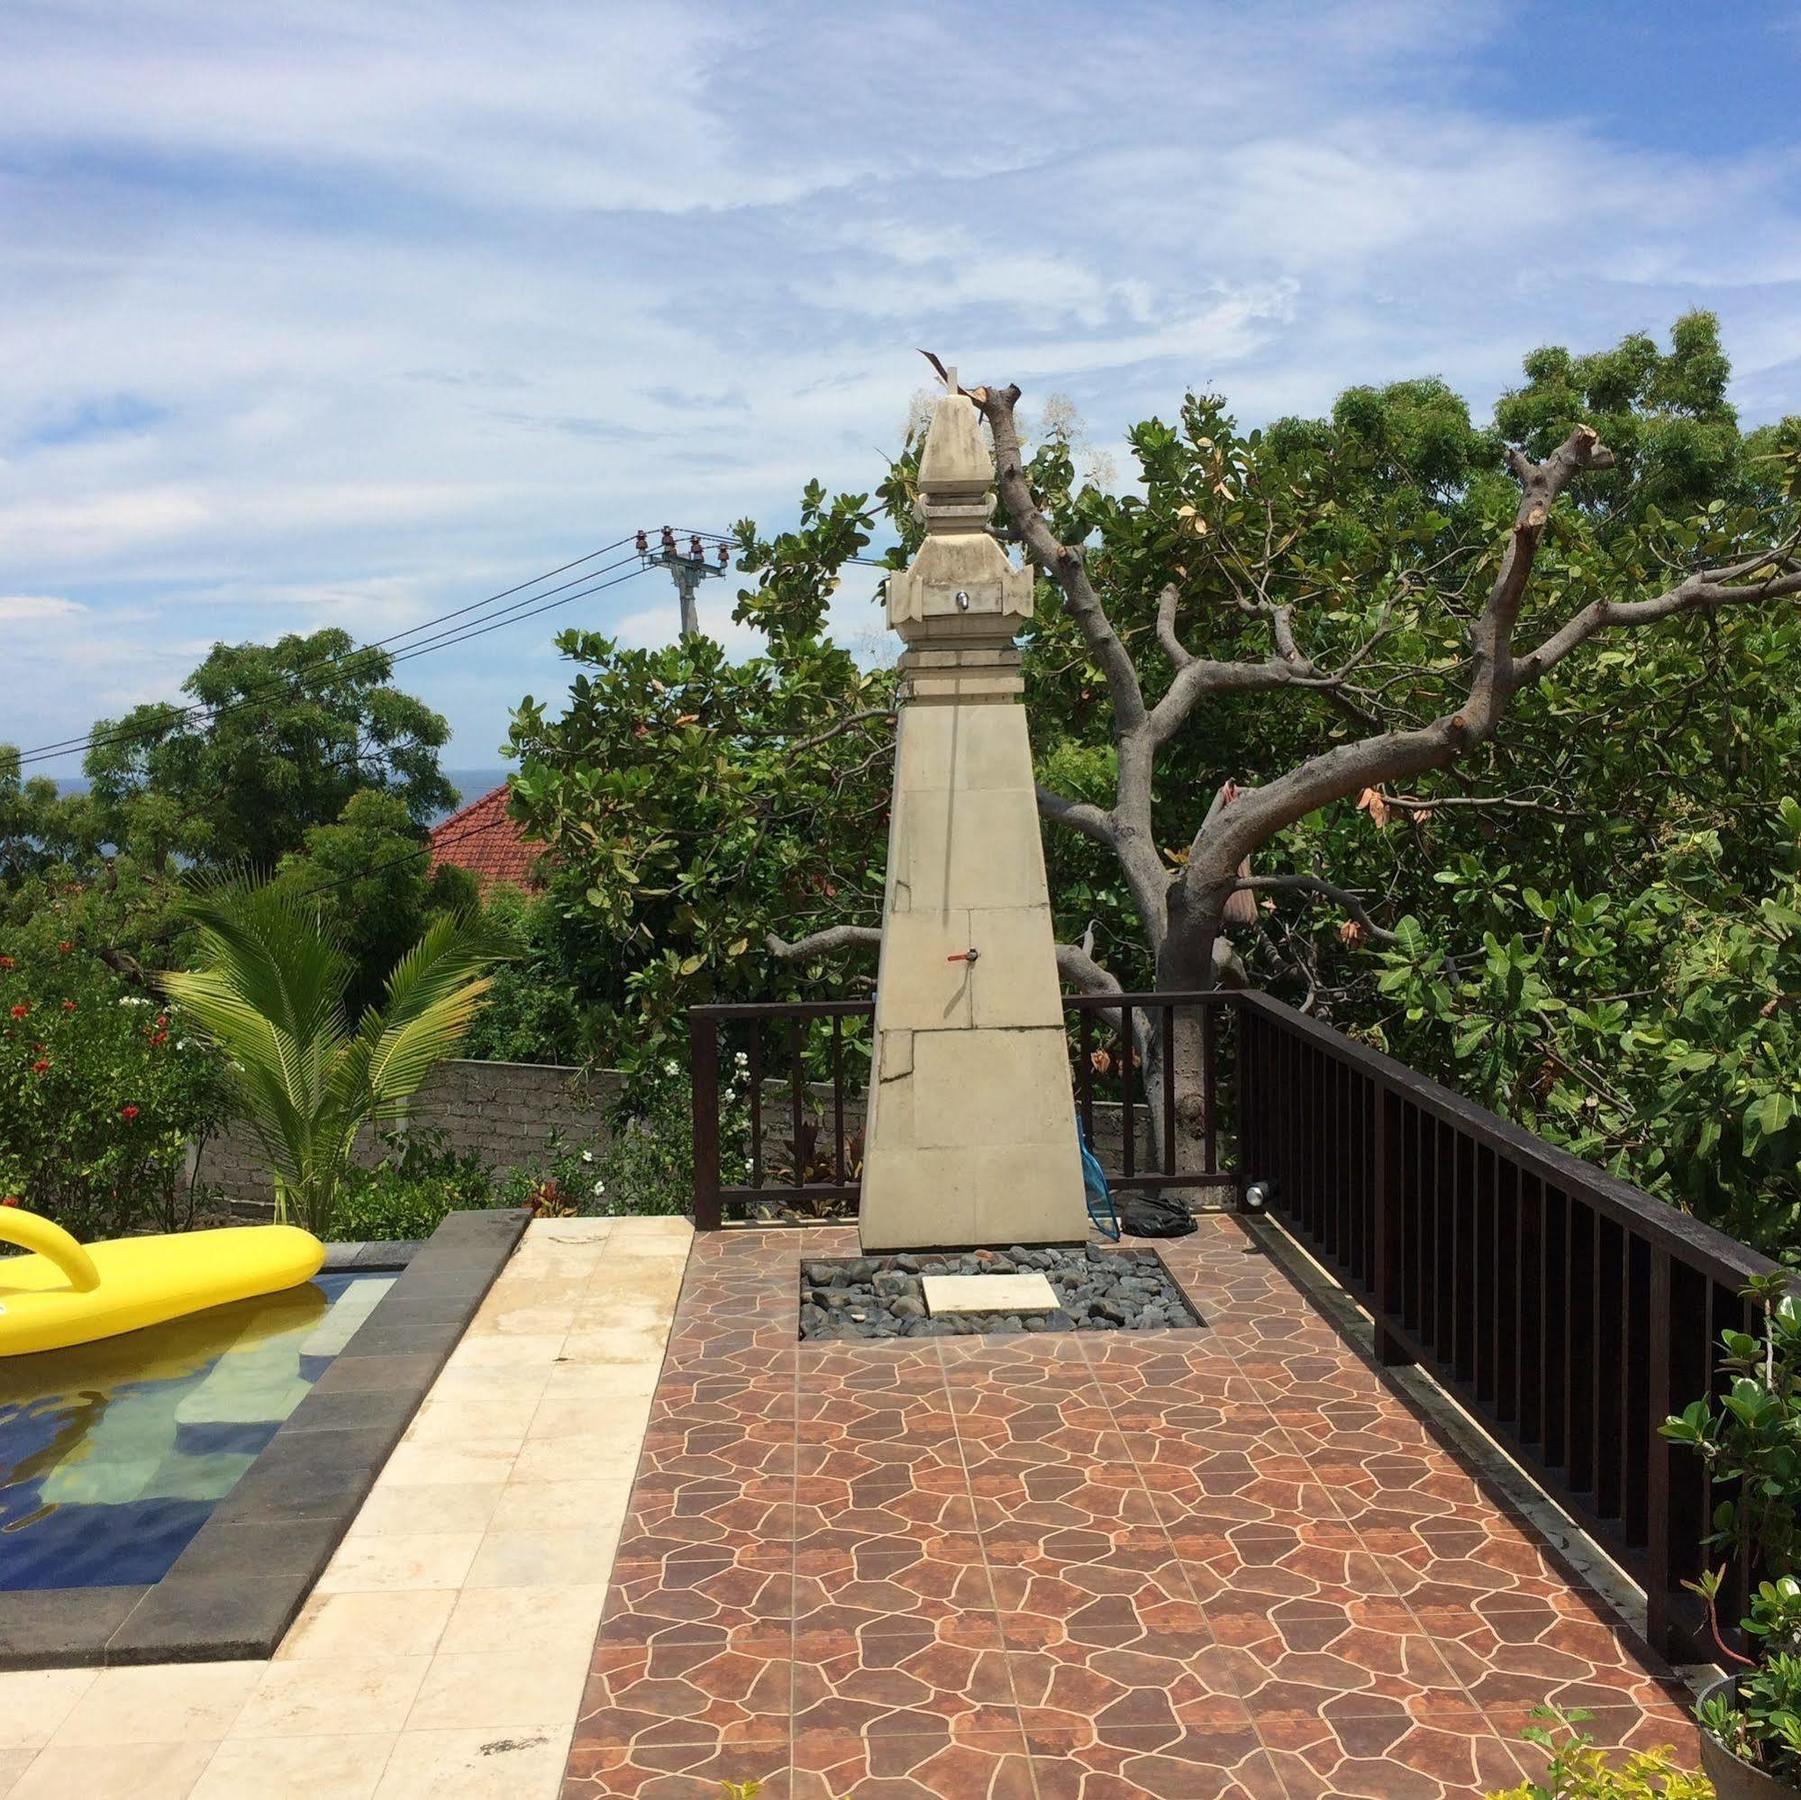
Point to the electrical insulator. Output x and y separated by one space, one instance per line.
643 542
668 539
694 549
725 555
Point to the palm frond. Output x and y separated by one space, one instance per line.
270 993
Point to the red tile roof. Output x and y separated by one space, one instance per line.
483 840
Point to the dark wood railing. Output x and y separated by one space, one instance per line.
1568 1310
779 1093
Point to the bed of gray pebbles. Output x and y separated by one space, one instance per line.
881 1296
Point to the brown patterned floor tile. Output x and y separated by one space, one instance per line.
1665 1726
1544 1656
1389 1755
891 1591
1225 1763
1225 1560
991 1765
694 1601
671 1694
902 1682
692 1772
1305 1561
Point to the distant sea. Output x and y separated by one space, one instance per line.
470 784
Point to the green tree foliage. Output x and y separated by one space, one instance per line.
102 1089
276 741
692 802
367 876
1620 823
534 1010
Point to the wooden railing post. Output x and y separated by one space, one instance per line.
703 1076
1386 1157
1660 1571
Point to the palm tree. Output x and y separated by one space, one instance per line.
269 991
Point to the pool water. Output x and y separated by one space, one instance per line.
113 1454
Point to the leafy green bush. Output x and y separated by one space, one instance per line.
101 1092
533 1012
1751 1444
1578 1771
1680 1065
409 1191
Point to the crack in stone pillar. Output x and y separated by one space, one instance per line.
971 1135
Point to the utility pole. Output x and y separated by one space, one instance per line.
687 571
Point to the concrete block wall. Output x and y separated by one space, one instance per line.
505 1113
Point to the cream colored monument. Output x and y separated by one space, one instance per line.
971 1135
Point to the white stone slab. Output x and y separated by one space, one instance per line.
988 1293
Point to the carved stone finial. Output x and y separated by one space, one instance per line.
960 588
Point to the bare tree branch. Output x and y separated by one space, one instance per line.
1063 563
1079 815
1703 590
831 731
1326 890
822 943
1173 646
1075 965
1391 756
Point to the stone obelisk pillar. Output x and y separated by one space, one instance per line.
971 1135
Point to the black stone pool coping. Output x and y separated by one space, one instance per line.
238 1585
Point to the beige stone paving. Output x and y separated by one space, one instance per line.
444 1650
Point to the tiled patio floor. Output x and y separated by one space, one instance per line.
1196 1563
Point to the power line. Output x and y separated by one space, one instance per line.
720 537
481 630
220 709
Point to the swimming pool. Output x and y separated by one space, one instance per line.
113 1454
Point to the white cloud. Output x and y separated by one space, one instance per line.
325 312
23 611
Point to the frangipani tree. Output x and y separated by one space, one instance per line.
269 990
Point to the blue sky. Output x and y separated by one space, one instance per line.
349 313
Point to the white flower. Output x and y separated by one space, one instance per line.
672 1068
741 1060
600 1187
587 1156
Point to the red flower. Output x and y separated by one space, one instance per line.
41 1066
22 1010
10 1200
68 1006
159 1037
162 1019
64 947
6 962
128 1113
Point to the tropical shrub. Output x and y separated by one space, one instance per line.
1751 1443
1578 1771
102 1091
534 1012
270 991
410 1189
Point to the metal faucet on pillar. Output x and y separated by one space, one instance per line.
970 1135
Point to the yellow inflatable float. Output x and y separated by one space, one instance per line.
68 1293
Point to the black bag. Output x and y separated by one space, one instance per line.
1143 1214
